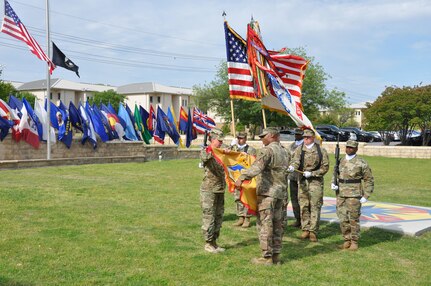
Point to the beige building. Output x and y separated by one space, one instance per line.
358 112
142 94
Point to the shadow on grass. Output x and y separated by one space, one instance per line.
329 239
229 217
7 282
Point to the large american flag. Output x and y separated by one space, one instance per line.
13 26
239 76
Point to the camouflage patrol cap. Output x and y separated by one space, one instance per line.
352 143
241 134
269 130
308 133
299 131
216 134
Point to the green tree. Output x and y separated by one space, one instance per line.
106 97
315 96
5 90
401 109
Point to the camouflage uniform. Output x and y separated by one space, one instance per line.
311 189
241 210
352 173
212 196
293 186
270 167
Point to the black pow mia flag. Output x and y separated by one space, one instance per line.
60 59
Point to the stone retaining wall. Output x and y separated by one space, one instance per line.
22 155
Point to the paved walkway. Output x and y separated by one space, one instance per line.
404 219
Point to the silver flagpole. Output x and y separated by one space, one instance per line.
48 86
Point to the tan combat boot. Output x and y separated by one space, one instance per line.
209 247
313 237
239 222
246 222
305 234
267 261
276 259
217 248
345 245
354 246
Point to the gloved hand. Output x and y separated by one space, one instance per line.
234 142
363 200
307 174
334 187
290 169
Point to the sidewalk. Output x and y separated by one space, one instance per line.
404 219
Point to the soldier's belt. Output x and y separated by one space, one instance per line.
351 181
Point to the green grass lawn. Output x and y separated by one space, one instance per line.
139 224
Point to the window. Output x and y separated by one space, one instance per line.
50 95
151 99
158 99
59 96
358 112
184 102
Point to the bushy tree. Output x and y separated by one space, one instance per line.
401 109
106 97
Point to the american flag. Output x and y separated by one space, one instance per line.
13 26
239 76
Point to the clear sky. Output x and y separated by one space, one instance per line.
364 45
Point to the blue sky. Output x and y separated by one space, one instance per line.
363 45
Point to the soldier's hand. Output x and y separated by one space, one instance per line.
238 184
290 169
234 142
363 200
334 187
307 174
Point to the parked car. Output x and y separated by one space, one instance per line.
377 136
326 136
333 130
287 135
360 135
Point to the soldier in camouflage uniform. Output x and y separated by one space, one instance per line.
312 163
293 179
270 167
212 193
240 145
355 185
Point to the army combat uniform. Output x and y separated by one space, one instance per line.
212 196
355 181
293 187
316 161
270 167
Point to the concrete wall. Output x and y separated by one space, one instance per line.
22 155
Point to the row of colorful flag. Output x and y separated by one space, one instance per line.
30 124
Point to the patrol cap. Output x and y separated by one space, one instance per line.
352 143
308 133
269 130
241 134
299 131
216 134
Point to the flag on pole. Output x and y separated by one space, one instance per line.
65 134
60 59
232 164
27 125
13 26
130 129
191 133
182 126
88 132
174 129
240 79
42 115
199 121
146 133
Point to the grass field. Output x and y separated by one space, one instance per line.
139 224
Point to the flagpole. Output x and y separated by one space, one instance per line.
233 118
48 86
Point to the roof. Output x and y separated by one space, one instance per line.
64 84
151 87
359 105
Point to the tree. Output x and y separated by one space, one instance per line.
315 95
106 97
402 110
6 89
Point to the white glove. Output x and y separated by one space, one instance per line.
234 142
290 169
363 200
334 187
307 174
